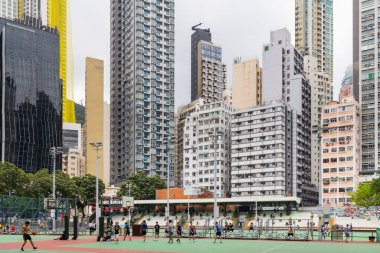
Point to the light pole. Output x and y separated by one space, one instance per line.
54 151
129 209
168 140
97 146
215 137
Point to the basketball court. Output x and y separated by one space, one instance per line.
11 244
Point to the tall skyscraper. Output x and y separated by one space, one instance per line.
315 32
94 124
355 46
369 78
198 35
321 87
246 84
284 78
142 87
15 9
31 94
9 9
208 72
58 13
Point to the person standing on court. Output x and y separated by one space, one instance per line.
116 230
170 231
144 229
156 231
218 232
127 231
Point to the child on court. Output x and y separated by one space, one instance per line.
218 232
26 231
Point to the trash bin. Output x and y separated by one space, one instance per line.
136 231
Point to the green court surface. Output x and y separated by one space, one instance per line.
235 246
11 244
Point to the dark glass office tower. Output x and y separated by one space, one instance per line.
31 109
198 35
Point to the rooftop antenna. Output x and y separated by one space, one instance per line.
194 28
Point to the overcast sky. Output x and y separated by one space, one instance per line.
241 27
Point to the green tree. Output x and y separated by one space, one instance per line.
41 184
365 196
85 191
375 185
142 186
13 180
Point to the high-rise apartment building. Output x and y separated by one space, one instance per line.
284 78
208 72
369 79
15 9
356 14
31 107
315 33
341 151
200 152
321 87
246 84
73 163
183 113
94 123
262 149
9 9
142 87
198 35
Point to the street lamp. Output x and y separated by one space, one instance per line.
129 210
54 151
97 146
215 137
168 140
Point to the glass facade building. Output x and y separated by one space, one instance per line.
142 87
31 109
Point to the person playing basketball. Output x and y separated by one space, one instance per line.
26 231
218 232
116 230
192 232
127 231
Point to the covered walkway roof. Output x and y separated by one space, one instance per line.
236 201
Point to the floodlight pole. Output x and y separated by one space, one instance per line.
97 146
53 152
